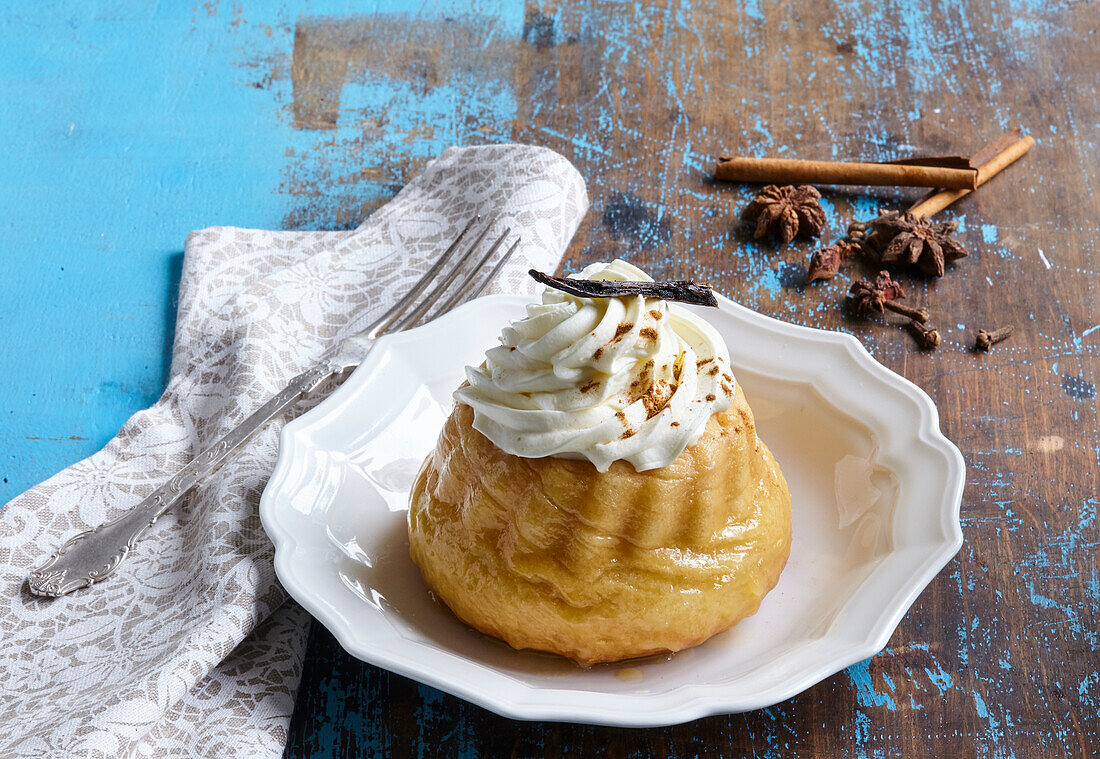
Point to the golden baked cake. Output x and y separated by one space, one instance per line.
599 490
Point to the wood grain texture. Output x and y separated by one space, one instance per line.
305 115
998 657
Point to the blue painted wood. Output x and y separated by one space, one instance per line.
124 129
127 124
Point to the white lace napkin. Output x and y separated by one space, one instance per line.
192 648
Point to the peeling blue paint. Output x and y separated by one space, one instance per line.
195 145
866 693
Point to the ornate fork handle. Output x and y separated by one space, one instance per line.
92 555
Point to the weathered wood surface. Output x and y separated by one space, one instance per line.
314 116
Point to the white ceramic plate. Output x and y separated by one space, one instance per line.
875 498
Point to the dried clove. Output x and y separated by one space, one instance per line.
928 338
916 314
986 340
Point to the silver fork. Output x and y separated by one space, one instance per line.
91 556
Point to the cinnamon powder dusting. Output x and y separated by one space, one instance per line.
628 432
656 398
710 396
622 329
714 370
642 383
589 386
655 314
648 332
703 362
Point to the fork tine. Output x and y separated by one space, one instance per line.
465 292
384 322
460 292
499 265
444 282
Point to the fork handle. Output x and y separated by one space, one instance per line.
90 556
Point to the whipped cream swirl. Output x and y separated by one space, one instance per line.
604 379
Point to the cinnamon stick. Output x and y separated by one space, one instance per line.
987 170
948 172
990 160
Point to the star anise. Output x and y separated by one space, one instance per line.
786 212
905 238
870 298
825 262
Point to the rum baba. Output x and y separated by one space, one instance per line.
599 490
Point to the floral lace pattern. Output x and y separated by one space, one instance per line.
192 648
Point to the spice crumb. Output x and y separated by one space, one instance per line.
714 370
621 330
710 396
589 386
655 314
674 424
648 333
657 397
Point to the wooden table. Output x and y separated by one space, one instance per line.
126 127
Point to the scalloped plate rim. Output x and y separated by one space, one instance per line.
631 710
